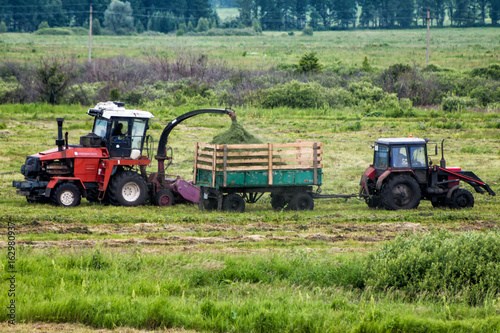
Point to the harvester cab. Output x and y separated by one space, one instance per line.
401 175
121 131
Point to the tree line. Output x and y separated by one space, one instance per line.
171 15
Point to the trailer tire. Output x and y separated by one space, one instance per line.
461 198
127 189
233 203
210 204
302 201
401 192
66 195
278 201
164 198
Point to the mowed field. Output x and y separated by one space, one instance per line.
113 268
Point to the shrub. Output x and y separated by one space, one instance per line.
54 74
83 93
309 62
54 31
256 26
308 31
439 264
3 27
365 66
180 32
80 31
96 27
456 103
43 25
366 91
295 95
490 72
114 94
133 97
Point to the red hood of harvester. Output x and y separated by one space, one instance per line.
72 152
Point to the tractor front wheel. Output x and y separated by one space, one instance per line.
373 201
127 189
233 203
302 201
66 195
461 199
401 192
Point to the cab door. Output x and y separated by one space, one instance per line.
418 162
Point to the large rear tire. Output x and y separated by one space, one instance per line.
302 201
66 195
401 192
373 201
233 203
127 189
461 198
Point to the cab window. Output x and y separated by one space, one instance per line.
381 157
399 158
120 129
138 133
417 155
100 127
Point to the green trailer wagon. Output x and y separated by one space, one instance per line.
230 175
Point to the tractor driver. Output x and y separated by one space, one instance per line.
399 157
118 130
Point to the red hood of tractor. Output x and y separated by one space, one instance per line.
72 152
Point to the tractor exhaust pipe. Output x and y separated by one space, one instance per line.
442 163
60 140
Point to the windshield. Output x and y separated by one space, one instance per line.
100 127
381 156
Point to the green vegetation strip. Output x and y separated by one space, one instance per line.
294 291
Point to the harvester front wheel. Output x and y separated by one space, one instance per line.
164 198
66 195
401 192
461 199
127 189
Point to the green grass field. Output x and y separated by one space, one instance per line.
176 268
450 48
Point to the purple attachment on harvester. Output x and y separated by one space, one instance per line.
187 190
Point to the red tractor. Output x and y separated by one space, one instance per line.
401 176
108 164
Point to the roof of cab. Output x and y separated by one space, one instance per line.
117 109
401 141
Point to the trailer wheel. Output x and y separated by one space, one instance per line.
278 201
401 192
233 203
302 201
210 204
164 198
127 189
66 195
462 199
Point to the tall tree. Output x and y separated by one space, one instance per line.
118 16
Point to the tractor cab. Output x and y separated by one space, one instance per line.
121 131
401 154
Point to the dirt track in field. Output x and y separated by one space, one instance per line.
74 328
188 236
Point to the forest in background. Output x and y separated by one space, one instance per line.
138 16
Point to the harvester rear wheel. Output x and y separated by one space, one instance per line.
127 189
164 198
66 195
401 192
302 201
233 203
461 198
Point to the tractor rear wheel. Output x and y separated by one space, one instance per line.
461 198
401 192
233 203
164 198
66 195
302 201
278 201
127 189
